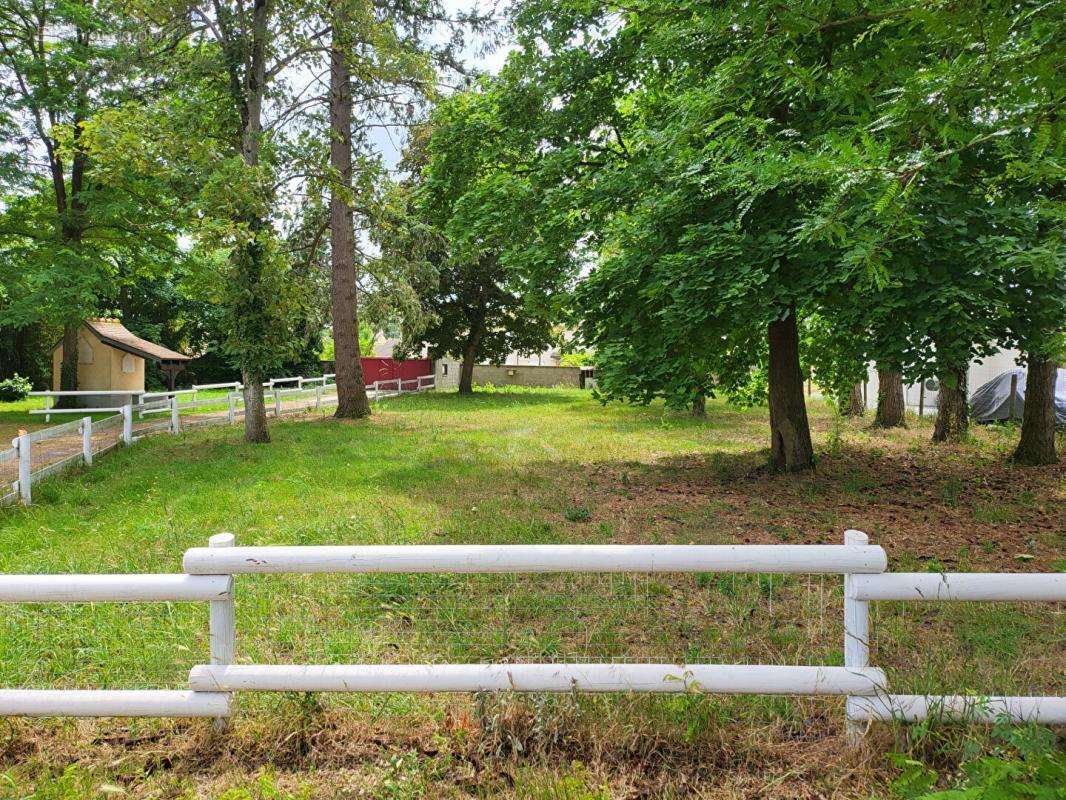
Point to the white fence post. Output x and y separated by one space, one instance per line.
87 440
318 397
277 402
47 405
175 419
856 639
222 623
127 424
25 454
232 397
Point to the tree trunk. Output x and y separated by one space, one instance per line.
1037 445
790 434
68 366
890 403
856 408
952 411
699 406
250 103
466 370
255 424
352 402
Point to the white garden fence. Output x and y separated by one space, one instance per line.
123 397
209 577
176 410
47 451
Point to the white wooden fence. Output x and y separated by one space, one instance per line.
208 577
50 397
183 408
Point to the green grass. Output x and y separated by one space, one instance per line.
517 467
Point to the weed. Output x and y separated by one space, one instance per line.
577 514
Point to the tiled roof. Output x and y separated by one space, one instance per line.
113 333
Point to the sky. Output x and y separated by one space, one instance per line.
390 141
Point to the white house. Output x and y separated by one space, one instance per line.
981 371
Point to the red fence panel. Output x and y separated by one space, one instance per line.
384 369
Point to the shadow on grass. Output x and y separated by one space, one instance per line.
372 482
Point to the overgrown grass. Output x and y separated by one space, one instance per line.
519 467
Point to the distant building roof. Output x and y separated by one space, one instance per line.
112 332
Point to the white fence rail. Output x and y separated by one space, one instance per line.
209 577
134 396
527 558
79 432
656 678
218 590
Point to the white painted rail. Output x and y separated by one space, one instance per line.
961 708
812 559
113 588
112 703
209 579
317 392
83 411
216 590
236 385
714 678
960 586
861 589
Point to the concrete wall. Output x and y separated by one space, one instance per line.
527 375
446 372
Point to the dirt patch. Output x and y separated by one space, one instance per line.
956 507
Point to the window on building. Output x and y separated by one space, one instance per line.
85 352
128 364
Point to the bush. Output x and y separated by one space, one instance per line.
580 358
1026 764
14 388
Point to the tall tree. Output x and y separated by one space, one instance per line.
700 145
482 218
352 400
60 63
890 402
226 126
382 59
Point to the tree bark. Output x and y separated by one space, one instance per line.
952 409
466 369
790 434
68 367
470 352
890 403
1037 444
699 406
352 402
856 408
255 424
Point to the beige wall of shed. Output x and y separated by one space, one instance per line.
105 372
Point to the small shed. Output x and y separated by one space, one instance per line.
111 359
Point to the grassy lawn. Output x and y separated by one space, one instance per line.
520 467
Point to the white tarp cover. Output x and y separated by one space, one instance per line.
991 401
